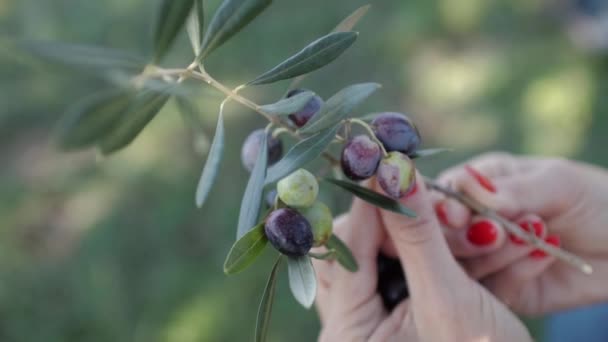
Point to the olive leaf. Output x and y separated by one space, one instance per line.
245 250
141 111
230 18
373 197
265 308
86 57
195 26
302 280
329 255
342 252
339 106
91 119
171 18
252 198
301 153
314 56
429 152
288 105
212 164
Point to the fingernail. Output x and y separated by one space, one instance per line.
441 213
413 190
484 181
482 233
539 254
537 227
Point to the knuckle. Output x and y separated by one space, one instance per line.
416 231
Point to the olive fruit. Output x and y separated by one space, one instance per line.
311 108
251 149
396 132
321 221
360 158
299 189
396 174
289 232
392 285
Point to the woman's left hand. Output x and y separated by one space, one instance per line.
444 304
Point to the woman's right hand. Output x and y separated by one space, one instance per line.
570 198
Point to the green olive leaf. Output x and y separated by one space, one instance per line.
91 119
265 308
171 17
303 152
288 105
302 280
343 254
314 56
245 250
212 164
329 255
429 152
141 111
195 26
339 106
373 197
230 18
252 198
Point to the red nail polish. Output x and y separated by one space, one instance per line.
413 190
484 181
537 226
552 240
441 213
482 233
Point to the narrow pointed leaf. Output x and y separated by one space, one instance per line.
343 254
245 250
212 164
265 308
289 105
252 199
429 152
230 18
314 56
339 106
330 255
302 280
171 18
140 112
91 119
83 56
373 197
303 152
195 26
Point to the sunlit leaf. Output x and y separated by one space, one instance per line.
343 254
171 18
302 280
303 152
429 152
252 198
314 56
230 18
265 308
92 118
141 111
373 197
288 105
195 26
212 164
245 250
339 106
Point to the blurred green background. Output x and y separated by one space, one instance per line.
113 249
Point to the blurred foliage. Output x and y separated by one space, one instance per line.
115 250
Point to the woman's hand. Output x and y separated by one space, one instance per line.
444 304
565 202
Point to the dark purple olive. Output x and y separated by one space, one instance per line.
360 158
311 108
251 149
396 132
289 232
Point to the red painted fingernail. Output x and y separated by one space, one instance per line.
537 226
441 213
484 181
482 233
552 240
413 190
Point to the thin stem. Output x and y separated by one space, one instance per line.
371 133
512 227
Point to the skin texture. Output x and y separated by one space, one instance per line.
396 132
360 158
289 232
320 219
396 174
310 109
444 304
251 148
570 198
299 189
